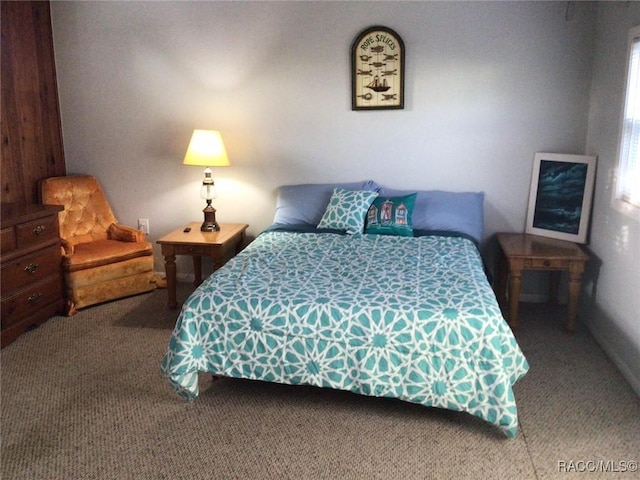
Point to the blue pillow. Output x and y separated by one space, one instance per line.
347 210
305 203
391 216
461 212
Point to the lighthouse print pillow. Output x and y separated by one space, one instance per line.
391 216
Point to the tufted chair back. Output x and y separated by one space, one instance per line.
87 215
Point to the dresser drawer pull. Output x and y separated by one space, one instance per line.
39 230
31 268
547 263
35 298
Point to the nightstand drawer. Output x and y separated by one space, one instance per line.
30 268
31 300
193 249
545 263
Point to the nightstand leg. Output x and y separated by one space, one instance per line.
197 270
515 281
170 269
572 306
501 281
240 244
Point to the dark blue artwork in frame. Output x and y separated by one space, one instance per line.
560 196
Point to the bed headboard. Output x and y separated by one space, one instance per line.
461 212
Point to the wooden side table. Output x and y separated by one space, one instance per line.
531 252
189 240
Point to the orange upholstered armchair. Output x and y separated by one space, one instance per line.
102 260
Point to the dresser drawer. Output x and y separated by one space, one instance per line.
9 334
31 300
7 239
37 231
546 263
29 269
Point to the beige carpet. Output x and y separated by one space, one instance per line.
83 398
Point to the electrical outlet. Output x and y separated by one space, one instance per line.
143 225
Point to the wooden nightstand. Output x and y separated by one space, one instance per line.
221 246
531 252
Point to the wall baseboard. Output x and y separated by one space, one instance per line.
616 345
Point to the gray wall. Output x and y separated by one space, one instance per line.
612 284
487 86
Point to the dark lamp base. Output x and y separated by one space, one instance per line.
209 224
209 227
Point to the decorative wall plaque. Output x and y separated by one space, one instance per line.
377 70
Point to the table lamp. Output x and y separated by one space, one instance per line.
206 149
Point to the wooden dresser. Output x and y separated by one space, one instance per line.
31 275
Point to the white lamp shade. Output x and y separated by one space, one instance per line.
206 149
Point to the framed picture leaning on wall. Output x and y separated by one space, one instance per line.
560 196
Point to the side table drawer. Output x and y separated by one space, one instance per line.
30 268
31 300
193 249
544 263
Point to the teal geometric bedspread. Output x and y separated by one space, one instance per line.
412 318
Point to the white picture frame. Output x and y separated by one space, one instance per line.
560 196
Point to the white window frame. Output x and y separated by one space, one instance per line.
626 191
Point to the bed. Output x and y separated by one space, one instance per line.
359 288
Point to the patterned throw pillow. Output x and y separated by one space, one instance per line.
347 210
391 216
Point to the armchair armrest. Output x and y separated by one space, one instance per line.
124 233
67 247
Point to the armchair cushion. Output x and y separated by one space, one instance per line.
104 252
101 278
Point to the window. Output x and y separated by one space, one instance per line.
627 190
